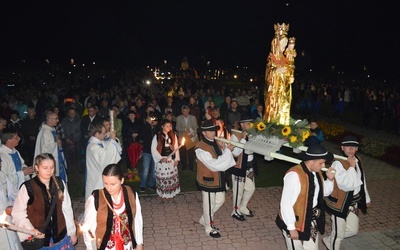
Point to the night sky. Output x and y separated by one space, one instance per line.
227 33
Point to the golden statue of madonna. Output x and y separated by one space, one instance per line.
279 76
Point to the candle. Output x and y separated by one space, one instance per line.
85 228
111 120
17 229
4 224
182 144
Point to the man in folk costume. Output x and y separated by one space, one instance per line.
99 154
48 142
212 160
302 214
243 179
349 196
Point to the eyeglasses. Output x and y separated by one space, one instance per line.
16 137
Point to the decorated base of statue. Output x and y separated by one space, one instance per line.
268 138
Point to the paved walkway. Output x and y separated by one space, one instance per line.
175 225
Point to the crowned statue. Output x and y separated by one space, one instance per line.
276 129
279 76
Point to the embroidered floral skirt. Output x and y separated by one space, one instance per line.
167 180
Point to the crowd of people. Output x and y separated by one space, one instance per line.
67 124
54 130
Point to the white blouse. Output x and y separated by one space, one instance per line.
20 216
90 222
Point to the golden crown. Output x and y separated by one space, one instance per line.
281 28
292 40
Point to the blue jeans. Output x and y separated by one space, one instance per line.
147 168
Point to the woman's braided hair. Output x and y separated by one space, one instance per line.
45 156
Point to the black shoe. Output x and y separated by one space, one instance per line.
251 213
142 190
239 217
151 189
215 234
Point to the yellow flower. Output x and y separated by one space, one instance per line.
293 138
251 125
286 131
305 135
261 126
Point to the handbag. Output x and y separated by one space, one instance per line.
36 243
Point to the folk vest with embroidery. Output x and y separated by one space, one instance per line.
303 206
39 205
103 230
207 180
241 160
161 141
338 203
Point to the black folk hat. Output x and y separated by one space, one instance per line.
350 141
316 152
208 125
245 118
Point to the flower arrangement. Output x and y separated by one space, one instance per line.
295 133
132 176
331 130
373 148
382 151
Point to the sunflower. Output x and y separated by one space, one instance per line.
293 138
251 124
286 131
261 126
305 135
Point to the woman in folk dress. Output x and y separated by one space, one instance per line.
164 143
113 215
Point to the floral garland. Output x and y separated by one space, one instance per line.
295 133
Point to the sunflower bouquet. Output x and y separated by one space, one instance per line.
295 133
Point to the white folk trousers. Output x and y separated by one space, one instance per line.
211 203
